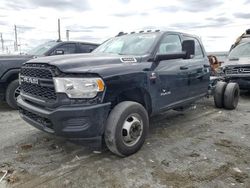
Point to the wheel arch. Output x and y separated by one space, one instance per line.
139 95
10 75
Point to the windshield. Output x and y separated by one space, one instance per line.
41 49
134 44
242 50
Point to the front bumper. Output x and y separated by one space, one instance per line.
74 122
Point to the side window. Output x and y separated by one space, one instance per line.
86 48
198 50
170 44
67 48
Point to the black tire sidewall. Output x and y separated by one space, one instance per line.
122 148
115 123
230 101
10 94
219 94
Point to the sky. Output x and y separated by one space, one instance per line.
217 22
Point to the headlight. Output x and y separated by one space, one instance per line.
79 87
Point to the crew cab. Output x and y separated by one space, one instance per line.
110 94
10 64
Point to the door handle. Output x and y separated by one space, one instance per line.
183 67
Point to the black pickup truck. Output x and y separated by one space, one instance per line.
10 64
110 93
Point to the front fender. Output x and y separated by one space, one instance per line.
9 74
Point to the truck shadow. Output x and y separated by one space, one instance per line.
245 94
4 107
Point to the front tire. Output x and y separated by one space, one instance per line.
12 92
126 128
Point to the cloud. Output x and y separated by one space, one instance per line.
124 1
79 28
242 15
216 37
128 14
24 29
209 22
86 38
78 5
196 25
200 6
16 5
218 22
168 9
3 23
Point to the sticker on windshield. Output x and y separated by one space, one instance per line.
128 60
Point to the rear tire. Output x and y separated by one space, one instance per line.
231 96
126 128
219 94
12 92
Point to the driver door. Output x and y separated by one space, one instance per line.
172 75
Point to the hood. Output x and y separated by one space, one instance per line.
8 62
15 57
99 63
237 62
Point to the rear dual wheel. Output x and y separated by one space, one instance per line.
226 95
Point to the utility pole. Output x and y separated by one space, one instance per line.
2 42
15 43
67 34
59 30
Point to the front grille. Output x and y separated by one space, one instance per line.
35 72
238 70
45 88
41 120
39 91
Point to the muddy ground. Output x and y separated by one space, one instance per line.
200 147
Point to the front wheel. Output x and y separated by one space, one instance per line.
12 92
126 128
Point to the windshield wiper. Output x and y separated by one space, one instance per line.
121 54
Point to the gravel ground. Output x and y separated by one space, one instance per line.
200 147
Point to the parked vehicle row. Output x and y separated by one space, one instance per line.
10 64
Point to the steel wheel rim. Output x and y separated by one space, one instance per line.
132 129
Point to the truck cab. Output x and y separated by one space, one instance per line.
111 93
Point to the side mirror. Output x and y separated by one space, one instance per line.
59 52
188 46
